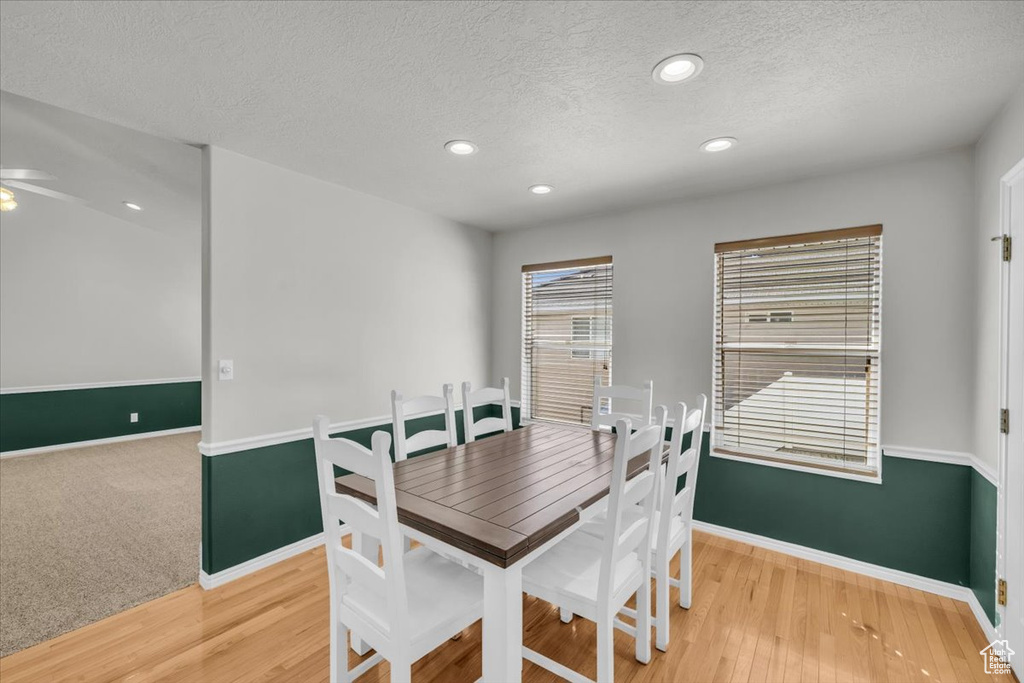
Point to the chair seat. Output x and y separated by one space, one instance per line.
595 527
571 570
440 593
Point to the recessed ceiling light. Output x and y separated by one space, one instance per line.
717 144
133 207
541 189
677 68
460 147
7 202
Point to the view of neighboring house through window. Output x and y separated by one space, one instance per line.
591 334
567 337
797 341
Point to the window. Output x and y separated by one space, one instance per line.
567 337
797 340
590 335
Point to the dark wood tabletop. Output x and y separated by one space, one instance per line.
501 497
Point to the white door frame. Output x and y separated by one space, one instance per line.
1007 347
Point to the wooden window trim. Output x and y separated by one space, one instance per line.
799 238
564 265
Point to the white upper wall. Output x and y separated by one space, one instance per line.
326 299
996 153
663 292
85 297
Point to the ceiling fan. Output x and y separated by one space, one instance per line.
14 177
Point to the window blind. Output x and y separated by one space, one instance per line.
567 337
797 340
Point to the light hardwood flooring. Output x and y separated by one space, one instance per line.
757 616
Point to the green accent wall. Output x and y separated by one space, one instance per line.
256 501
917 520
48 418
259 500
983 543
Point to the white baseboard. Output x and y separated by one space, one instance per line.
949 590
97 442
991 635
210 581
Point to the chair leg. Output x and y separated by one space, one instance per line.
661 598
565 615
643 620
686 574
368 547
605 648
339 651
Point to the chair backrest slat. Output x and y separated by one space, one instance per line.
688 460
643 398
486 396
631 538
347 570
356 513
637 488
363 574
487 425
694 420
640 491
682 500
428 438
403 409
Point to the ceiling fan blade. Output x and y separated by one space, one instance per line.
45 191
24 174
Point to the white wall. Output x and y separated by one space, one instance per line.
664 266
85 297
326 299
1000 148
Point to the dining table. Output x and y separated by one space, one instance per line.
494 505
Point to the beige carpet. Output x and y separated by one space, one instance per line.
89 532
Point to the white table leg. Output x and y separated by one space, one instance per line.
503 624
367 546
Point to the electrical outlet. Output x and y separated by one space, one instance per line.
226 370
134 417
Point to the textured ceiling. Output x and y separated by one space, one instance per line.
366 94
103 164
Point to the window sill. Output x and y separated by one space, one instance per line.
875 478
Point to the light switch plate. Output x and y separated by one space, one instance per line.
133 417
226 370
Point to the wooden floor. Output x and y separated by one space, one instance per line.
756 616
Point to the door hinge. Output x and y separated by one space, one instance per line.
1004 421
1001 596
1007 243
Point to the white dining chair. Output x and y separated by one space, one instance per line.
595 577
673 518
481 397
408 607
403 409
642 398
